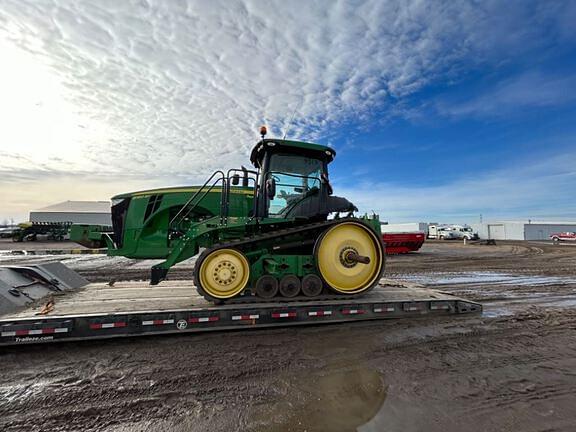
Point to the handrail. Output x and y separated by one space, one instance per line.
222 179
224 196
225 204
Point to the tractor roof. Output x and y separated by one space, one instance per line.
314 150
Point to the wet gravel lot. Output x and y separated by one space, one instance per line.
513 368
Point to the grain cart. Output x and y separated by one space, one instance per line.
265 233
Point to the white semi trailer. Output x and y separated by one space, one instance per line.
432 230
452 232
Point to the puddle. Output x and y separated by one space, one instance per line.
561 303
504 294
496 312
341 400
510 307
487 278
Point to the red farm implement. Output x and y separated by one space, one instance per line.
401 243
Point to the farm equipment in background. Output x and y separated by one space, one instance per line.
401 243
31 231
91 236
265 232
8 231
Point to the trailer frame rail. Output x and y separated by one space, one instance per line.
43 329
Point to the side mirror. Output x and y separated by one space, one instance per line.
235 179
324 179
271 188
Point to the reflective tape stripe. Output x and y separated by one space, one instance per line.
320 313
283 314
244 317
98 326
440 307
35 332
203 319
385 309
352 311
158 322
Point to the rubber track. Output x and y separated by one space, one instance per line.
268 236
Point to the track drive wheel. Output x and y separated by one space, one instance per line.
222 274
350 257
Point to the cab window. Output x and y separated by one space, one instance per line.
297 177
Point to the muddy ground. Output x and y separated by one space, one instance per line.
511 369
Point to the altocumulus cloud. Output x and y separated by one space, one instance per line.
163 92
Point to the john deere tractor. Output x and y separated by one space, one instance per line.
266 232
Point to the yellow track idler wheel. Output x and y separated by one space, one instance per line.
223 273
350 257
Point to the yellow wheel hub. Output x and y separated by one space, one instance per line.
224 273
334 252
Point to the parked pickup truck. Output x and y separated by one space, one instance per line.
563 236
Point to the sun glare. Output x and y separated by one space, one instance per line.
38 121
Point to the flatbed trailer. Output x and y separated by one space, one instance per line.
126 309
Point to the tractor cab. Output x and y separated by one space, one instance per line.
293 181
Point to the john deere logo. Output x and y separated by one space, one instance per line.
181 325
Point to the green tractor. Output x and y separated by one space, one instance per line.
266 233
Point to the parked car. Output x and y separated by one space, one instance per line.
563 236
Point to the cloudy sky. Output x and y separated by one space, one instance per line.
439 110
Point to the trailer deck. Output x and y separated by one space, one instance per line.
99 310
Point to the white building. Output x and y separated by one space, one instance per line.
80 212
522 230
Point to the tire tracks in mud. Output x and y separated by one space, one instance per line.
483 373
